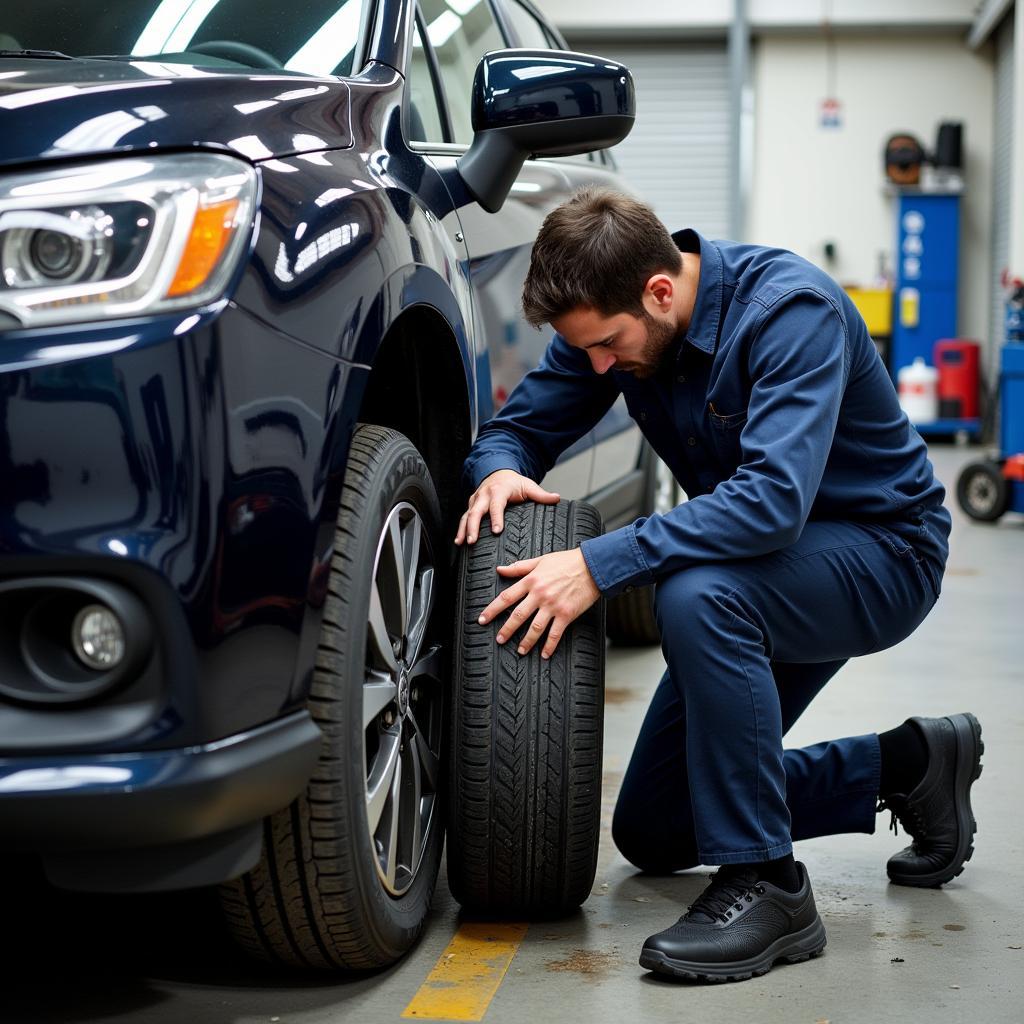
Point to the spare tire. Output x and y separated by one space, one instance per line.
525 768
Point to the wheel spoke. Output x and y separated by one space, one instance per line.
395 566
419 614
411 536
395 794
427 759
412 817
382 777
378 692
379 631
428 667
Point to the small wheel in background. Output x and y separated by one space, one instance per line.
982 492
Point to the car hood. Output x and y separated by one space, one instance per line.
74 108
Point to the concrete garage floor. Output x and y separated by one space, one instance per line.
894 954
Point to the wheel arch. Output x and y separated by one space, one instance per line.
419 384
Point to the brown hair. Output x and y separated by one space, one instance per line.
598 250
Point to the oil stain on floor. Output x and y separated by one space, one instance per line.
586 961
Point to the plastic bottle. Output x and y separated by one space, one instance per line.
919 391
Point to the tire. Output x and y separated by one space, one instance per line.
631 618
331 892
525 780
982 492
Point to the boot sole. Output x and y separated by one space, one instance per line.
969 748
793 949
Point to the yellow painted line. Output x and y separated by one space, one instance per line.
467 974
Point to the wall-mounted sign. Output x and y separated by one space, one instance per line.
830 114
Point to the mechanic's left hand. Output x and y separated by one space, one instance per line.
558 587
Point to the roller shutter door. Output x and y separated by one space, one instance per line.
677 155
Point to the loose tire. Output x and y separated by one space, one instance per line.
525 781
982 492
631 618
348 870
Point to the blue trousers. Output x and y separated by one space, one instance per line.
748 645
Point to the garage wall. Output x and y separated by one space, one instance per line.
1002 183
811 185
1017 174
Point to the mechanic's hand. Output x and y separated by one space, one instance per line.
503 487
557 587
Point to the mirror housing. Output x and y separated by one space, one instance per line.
529 103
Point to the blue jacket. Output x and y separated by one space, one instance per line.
775 408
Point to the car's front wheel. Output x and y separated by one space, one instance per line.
348 870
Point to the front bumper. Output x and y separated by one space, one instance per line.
197 469
127 801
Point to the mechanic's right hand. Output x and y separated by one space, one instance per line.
503 487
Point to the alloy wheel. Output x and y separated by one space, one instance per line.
402 701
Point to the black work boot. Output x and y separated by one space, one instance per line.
936 813
738 927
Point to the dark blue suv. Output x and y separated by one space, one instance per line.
260 268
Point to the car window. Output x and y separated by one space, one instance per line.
528 28
461 32
424 123
313 37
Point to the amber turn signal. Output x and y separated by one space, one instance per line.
212 228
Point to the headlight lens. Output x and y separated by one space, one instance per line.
122 238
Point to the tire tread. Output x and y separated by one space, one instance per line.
526 741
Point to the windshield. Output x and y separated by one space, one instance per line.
313 37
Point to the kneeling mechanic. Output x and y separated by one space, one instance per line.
815 532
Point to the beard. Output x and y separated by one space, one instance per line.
657 349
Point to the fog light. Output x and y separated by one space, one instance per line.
98 637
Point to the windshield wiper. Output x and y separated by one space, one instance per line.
47 54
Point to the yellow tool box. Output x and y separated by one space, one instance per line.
875 305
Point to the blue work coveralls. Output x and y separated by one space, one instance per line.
814 532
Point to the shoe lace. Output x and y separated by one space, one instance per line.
724 895
901 809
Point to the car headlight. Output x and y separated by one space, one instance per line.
122 237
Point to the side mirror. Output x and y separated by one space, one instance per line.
541 103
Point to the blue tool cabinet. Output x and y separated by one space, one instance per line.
1011 434
927 274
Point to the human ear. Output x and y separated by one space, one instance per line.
659 290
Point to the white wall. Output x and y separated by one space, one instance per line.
1017 195
811 184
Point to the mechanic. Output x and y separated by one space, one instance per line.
814 533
